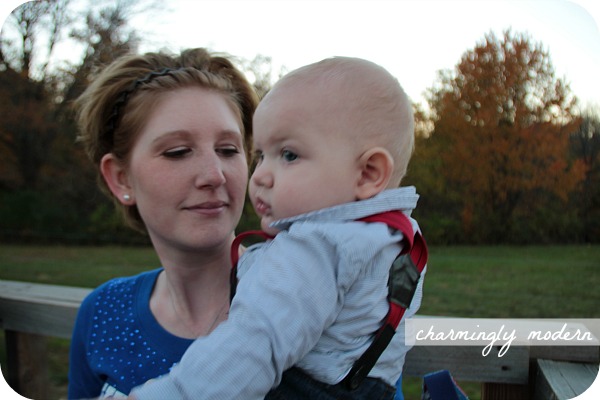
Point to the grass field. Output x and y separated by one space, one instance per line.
490 282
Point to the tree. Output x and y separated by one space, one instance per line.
41 163
40 97
28 128
585 144
28 22
259 71
502 122
435 212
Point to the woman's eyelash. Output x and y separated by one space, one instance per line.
228 151
177 152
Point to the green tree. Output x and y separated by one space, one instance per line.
501 128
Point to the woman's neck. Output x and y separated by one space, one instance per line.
191 295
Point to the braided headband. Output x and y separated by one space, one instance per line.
122 99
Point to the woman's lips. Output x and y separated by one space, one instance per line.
208 207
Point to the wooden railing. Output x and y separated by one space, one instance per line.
30 312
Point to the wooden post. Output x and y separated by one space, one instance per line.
27 359
504 391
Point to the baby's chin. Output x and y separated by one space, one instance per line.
264 225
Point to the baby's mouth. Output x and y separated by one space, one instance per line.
261 207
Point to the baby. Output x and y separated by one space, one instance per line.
332 142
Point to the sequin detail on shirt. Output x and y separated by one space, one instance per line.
119 350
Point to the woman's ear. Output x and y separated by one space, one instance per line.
376 168
116 179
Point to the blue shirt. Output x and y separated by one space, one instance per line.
311 297
117 343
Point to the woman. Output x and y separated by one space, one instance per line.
169 137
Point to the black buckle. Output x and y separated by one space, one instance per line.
403 280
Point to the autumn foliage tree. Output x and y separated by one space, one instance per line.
500 144
47 187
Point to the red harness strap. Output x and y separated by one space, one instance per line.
404 277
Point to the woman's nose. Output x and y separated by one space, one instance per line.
210 172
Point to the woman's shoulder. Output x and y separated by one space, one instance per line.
122 286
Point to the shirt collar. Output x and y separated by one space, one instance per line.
404 199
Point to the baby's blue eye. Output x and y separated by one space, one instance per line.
289 156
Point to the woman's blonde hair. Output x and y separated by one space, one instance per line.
115 107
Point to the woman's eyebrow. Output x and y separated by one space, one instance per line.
231 132
170 135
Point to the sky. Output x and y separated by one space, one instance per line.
412 39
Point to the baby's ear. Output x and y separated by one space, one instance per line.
376 168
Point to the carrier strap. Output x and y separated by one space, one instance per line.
402 284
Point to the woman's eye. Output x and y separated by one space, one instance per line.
289 156
177 152
228 151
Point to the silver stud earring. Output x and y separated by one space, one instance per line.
126 197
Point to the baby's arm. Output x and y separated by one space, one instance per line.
280 310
